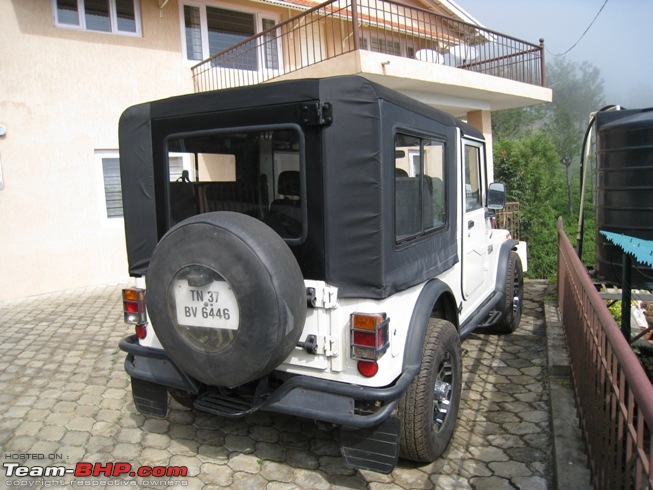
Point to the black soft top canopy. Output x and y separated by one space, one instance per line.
350 239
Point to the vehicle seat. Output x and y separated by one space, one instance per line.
183 199
288 186
286 212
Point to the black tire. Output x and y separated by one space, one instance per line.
513 297
429 407
263 282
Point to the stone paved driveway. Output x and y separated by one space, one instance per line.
65 398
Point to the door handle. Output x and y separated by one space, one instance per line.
470 224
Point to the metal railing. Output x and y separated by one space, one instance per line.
614 397
337 27
508 219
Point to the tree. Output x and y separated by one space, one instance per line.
514 123
576 86
530 167
566 135
577 92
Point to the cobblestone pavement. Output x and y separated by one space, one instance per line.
66 399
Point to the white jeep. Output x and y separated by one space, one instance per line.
317 248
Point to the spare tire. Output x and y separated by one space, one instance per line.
226 298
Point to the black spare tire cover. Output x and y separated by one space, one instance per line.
226 297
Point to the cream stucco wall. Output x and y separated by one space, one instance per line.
61 94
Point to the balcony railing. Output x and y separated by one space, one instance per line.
614 397
337 27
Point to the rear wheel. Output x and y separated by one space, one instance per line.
514 297
429 407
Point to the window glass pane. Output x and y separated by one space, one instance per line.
271 47
434 191
67 12
213 167
97 15
420 195
112 187
472 178
227 28
126 15
387 46
251 172
408 221
176 169
193 33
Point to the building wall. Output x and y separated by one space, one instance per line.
61 94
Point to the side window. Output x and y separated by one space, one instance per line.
208 30
110 163
473 184
115 16
271 47
420 200
434 180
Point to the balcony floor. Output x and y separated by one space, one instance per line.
457 91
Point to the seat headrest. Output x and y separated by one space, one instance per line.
288 184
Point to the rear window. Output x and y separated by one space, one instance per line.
258 172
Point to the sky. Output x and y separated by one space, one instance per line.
619 43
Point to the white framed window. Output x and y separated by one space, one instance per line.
113 16
208 29
387 45
108 162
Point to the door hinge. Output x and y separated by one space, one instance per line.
330 346
317 114
320 295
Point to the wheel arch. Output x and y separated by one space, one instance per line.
435 300
502 265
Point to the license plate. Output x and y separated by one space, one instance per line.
210 306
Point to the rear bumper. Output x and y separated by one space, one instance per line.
302 396
154 366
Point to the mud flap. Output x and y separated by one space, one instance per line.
150 398
375 448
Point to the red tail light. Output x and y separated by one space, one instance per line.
368 368
369 338
141 331
133 306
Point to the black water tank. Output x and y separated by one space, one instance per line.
624 149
